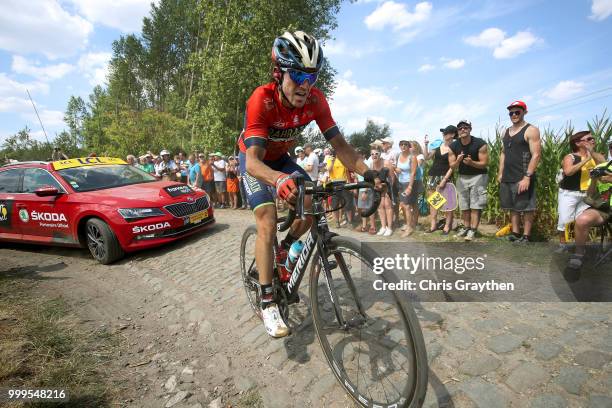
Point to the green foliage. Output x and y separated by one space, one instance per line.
555 147
362 139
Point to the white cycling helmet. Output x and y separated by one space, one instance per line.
297 50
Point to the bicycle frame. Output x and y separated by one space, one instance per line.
318 236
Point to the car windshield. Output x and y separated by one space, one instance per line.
90 178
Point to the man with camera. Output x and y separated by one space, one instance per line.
599 197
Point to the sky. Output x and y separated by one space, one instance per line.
417 66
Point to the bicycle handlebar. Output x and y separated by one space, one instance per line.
330 188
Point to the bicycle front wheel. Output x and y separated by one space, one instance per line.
378 355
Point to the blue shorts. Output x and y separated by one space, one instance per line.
259 193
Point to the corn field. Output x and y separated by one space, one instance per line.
555 145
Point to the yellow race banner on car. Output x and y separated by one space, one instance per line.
85 161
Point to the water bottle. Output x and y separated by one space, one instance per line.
292 256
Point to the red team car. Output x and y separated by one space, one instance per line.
98 202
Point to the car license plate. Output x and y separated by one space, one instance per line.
198 217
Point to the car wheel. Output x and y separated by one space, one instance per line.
102 242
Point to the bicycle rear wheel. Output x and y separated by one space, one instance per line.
379 356
248 269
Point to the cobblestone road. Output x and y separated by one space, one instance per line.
192 338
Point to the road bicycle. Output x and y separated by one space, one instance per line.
371 339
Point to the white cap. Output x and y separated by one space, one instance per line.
377 142
388 139
317 151
163 152
298 149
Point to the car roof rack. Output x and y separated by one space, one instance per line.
26 162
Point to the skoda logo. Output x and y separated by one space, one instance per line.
190 199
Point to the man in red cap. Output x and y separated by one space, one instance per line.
518 161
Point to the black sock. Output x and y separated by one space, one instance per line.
266 295
516 234
289 239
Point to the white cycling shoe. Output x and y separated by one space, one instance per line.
274 323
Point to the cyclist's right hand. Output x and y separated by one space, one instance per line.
286 188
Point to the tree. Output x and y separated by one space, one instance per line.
75 115
361 140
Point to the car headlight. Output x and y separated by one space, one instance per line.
135 213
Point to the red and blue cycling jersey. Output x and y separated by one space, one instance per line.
274 127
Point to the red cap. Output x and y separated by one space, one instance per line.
520 104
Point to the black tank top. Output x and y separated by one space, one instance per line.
439 167
471 149
572 182
516 156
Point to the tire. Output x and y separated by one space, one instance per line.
248 269
376 344
102 242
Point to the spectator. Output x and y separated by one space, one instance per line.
576 180
58 154
131 160
208 178
601 186
311 164
195 171
219 168
385 209
339 173
183 165
232 183
300 156
365 196
518 161
166 168
149 166
142 161
439 174
410 185
610 150
470 155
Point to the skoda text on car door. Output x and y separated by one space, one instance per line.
44 218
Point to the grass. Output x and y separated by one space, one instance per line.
42 346
250 399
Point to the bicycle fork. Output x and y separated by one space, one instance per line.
327 267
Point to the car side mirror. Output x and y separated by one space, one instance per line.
47 192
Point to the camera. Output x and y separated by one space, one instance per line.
599 172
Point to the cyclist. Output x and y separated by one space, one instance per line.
276 113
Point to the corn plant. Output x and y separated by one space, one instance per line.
555 146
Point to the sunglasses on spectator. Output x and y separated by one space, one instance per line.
375 154
404 144
299 77
463 128
588 139
514 113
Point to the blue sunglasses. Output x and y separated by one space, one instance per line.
299 77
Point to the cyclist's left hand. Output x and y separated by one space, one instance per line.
286 188
373 176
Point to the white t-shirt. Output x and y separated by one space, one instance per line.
388 155
301 162
313 160
217 174
163 165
